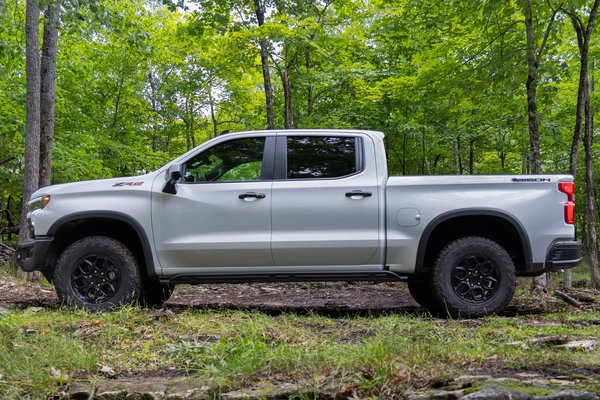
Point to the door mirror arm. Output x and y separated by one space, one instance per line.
173 176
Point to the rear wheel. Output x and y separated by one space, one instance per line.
473 277
97 273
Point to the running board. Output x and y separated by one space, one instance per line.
354 276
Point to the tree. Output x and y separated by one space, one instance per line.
47 90
32 136
584 113
534 57
259 10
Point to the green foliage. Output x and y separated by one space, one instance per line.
141 82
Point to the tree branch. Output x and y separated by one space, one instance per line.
6 160
547 32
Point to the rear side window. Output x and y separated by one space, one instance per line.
318 157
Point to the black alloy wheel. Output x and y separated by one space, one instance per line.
475 278
96 278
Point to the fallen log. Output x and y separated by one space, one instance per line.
568 299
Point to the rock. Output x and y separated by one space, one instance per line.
581 345
154 389
410 395
449 395
498 394
106 370
549 340
190 389
470 379
3 310
570 395
528 375
264 391
79 391
560 382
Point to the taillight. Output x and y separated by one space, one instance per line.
569 189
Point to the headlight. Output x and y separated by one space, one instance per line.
38 203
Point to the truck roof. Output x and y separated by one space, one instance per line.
278 132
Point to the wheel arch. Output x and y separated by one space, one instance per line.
503 228
117 225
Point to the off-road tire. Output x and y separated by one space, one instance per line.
422 293
155 294
472 277
97 273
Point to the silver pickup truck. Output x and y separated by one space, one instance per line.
299 205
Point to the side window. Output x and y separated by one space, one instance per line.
231 161
313 157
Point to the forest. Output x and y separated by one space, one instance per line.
458 86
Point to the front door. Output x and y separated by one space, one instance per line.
221 214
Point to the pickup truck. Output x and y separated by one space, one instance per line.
299 205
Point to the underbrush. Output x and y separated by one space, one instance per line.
43 350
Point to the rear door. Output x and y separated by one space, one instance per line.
325 202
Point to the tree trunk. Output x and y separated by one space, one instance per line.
154 103
471 156
457 160
212 112
31 171
584 34
531 84
309 89
540 283
287 94
424 164
264 58
32 137
590 198
48 80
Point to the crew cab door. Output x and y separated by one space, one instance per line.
325 206
221 213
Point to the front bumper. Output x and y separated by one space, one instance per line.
31 254
563 255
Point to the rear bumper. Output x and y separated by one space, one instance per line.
563 255
31 254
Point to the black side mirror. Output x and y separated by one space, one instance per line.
173 176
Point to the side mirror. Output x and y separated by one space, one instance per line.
173 176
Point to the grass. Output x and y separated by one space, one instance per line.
376 356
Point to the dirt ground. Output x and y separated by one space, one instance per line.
333 299
268 297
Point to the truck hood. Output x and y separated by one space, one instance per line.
141 182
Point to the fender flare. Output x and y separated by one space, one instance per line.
420 268
114 215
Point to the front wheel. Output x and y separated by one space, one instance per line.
155 294
421 292
97 273
473 277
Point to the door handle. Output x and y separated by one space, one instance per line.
356 194
252 195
